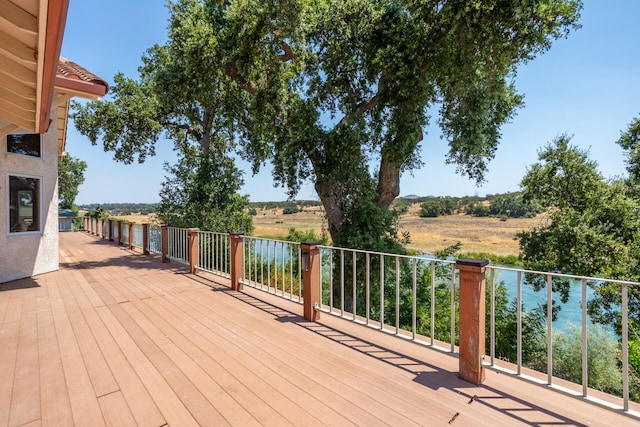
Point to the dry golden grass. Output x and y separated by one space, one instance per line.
138 219
488 235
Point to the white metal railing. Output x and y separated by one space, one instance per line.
583 284
273 266
124 238
377 289
214 253
412 297
116 236
178 249
155 239
137 236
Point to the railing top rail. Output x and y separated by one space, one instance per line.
420 257
271 240
568 276
178 228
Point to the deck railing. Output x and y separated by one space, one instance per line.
178 249
214 253
407 296
273 266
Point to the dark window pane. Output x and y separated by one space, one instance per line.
24 204
27 144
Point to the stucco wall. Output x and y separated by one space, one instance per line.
30 254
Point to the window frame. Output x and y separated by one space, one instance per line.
28 156
39 206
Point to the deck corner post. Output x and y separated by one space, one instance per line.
131 224
472 319
237 260
311 280
165 242
145 238
192 234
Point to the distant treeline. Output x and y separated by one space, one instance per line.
507 205
289 207
121 208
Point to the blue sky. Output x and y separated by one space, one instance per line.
586 86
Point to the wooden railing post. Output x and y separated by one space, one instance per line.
145 239
311 279
193 249
119 232
237 260
165 242
131 224
104 221
472 319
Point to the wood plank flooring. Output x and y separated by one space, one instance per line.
117 338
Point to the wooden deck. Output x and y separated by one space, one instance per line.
118 338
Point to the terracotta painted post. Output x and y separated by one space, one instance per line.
110 230
472 319
165 243
237 260
131 235
193 249
145 239
119 232
310 279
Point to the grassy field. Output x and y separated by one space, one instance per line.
477 235
490 235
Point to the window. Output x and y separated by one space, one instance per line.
27 144
24 204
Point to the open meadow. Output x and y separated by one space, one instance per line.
477 234
489 235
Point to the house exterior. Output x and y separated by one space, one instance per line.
36 86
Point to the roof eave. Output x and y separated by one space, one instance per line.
82 89
53 34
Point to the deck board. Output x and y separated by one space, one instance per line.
118 338
54 396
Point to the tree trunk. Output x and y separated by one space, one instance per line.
388 183
331 201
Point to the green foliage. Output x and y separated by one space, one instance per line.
348 83
438 206
306 236
630 142
584 235
603 366
122 208
335 91
70 177
202 192
180 94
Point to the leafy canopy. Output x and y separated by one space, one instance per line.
335 91
70 177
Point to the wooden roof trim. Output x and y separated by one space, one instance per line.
56 21
93 89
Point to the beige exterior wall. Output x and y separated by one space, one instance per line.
24 255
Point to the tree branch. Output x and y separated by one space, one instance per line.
231 70
288 52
